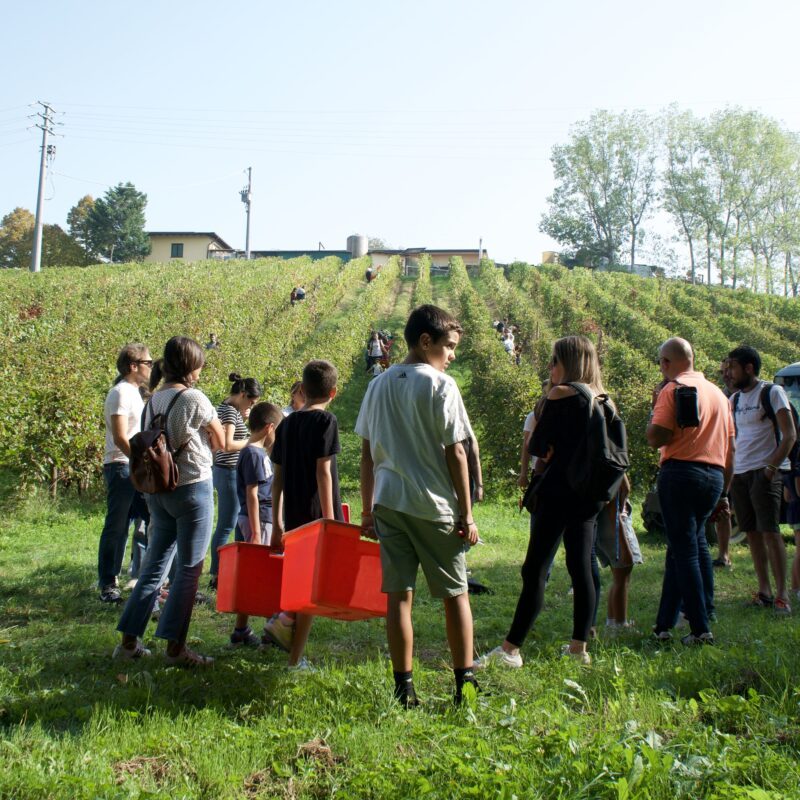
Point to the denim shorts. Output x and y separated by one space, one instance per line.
244 533
612 531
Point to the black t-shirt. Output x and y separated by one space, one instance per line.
562 426
301 439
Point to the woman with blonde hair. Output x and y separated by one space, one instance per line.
559 511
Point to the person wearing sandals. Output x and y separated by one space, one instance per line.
231 412
181 519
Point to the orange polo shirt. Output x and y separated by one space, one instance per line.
709 442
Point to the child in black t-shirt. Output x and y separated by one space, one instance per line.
305 486
254 488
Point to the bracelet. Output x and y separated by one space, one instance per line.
771 467
471 522
366 513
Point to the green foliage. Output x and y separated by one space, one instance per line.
423 292
16 243
115 225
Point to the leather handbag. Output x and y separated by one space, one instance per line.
153 461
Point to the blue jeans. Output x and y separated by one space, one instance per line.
182 520
688 492
114 538
227 511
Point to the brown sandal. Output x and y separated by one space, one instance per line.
188 658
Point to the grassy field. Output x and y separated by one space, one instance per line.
643 721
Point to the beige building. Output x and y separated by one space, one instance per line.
440 259
184 246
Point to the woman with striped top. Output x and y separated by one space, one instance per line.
232 412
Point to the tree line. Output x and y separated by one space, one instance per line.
109 229
728 184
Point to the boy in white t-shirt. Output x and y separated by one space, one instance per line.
763 441
415 491
122 412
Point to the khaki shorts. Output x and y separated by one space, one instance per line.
408 542
757 501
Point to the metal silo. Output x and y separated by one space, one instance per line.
357 245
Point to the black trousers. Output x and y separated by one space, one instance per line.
574 519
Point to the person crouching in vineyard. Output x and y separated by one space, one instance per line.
179 519
123 412
560 431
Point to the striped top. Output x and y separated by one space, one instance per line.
228 415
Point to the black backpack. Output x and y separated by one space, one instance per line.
599 463
769 413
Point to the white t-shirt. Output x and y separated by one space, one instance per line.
755 434
123 400
409 414
530 423
508 344
375 349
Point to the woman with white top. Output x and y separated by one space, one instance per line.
179 519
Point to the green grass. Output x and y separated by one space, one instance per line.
642 721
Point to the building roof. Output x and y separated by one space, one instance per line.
209 234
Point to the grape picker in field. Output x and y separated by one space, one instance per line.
692 425
231 412
559 431
123 412
415 491
181 518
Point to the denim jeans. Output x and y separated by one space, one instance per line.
114 538
227 511
688 492
182 520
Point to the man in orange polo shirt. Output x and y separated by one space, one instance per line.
692 425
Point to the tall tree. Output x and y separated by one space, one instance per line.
116 225
606 182
59 249
684 176
78 222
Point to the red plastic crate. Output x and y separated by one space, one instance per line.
330 571
249 579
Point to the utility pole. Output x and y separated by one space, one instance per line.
246 194
48 151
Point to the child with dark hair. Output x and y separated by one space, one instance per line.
254 490
415 491
305 486
232 412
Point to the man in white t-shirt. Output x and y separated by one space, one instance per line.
415 490
765 433
123 412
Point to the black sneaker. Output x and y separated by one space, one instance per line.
406 695
245 638
110 594
212 583
458 697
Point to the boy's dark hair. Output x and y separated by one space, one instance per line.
319 379
744 355
182 356
263 414
250 386
434 321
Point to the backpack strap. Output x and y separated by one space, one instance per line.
172 402
144 415
735 397
769 411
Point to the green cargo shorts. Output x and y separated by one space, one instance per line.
408 542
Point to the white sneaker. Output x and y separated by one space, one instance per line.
581 656
302 666
498 656
683 622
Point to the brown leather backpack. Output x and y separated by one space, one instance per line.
152 463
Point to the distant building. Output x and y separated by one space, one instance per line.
440 258
550 257
184 245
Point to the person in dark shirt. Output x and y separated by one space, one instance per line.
559 512
305 486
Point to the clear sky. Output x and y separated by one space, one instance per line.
428 124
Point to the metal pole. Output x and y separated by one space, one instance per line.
36 253
247 235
